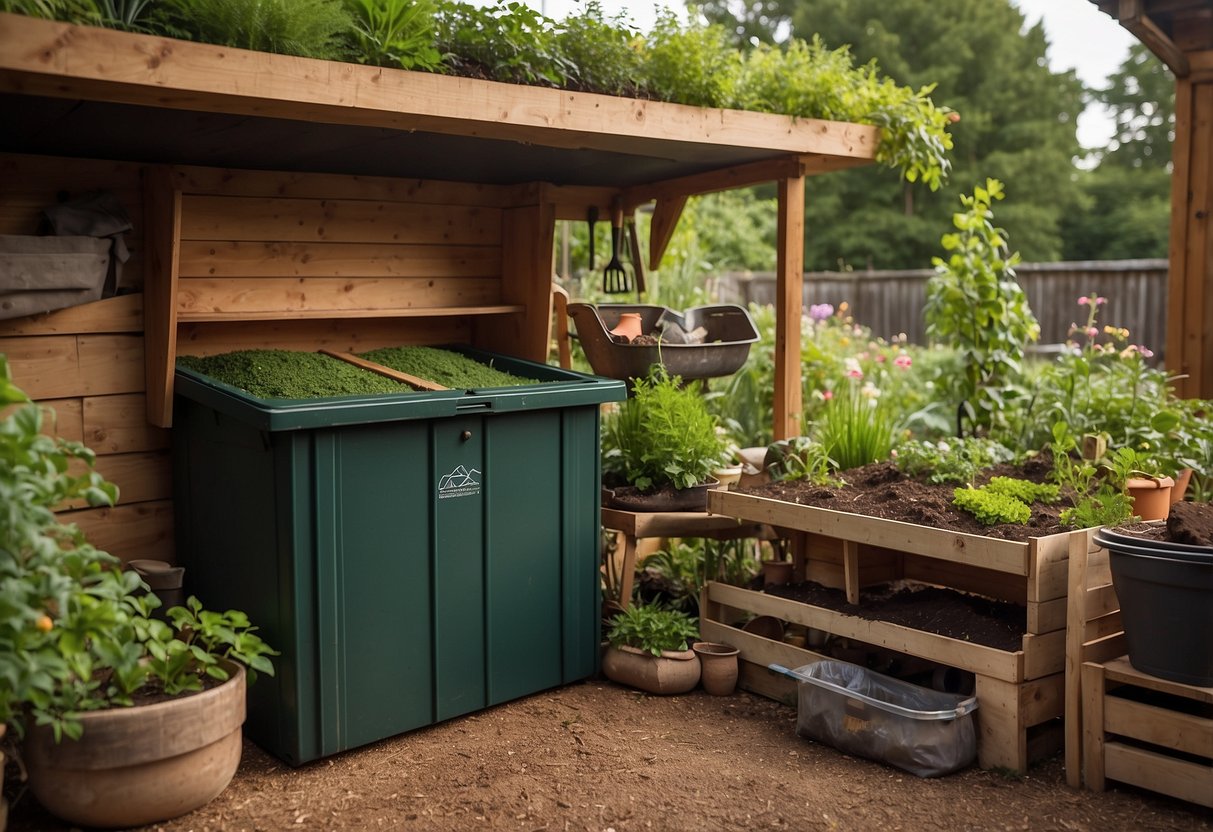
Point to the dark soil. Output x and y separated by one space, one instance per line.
1191 523
880 490
997 624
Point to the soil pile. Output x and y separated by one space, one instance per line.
1191 523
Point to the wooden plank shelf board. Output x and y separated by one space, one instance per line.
1021 692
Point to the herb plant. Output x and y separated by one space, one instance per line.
799 458
695 65
974 303
75 635
990 507
604 56
652 629
663 435
952 460
308 28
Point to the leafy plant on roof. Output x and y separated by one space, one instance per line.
602 55
396 33
508 42
695 64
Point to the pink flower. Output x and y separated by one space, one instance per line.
880 359
1145 351
1100 301
827 394
903 361
855 373
1084 300
1092 332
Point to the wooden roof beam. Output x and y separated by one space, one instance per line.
1132 16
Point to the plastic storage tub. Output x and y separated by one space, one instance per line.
730 332
861 712
414 556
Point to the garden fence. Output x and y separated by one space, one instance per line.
891 302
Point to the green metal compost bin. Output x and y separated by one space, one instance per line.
414 556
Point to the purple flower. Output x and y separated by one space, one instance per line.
820 311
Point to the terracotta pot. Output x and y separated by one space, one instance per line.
140 765
628 326
776 572
1181 485
1151 496
672 672
719 667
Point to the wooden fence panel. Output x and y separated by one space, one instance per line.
891 302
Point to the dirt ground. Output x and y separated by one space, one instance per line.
597 756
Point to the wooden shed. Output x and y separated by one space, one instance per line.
1180 33
288 202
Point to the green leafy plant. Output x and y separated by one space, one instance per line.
394 33
953 460
695 64
308 28
855 429
652 629
975 304
601 55
509 42
681 569
799 458
75 632
1023 490
662 435
991 507
1097 501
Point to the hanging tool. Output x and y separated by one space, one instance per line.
615 278
637 258
591 217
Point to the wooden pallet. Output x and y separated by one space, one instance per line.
1020 692
1165 747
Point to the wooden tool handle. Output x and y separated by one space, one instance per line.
413 381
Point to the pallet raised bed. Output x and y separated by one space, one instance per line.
1020 692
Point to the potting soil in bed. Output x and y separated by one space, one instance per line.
450 369
946 612
291 374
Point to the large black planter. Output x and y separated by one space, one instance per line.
1166 605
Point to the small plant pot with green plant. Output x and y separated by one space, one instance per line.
120 719
660 448
649 650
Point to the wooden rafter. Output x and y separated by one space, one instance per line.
1132 16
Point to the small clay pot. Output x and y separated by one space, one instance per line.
1151 496
628 326
776 572
1181 485
719 667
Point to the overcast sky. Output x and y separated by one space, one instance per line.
1080 36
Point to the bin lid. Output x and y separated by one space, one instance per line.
554 388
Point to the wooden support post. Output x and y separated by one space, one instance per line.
1002 740
788 303
162 239
628 574
1092 726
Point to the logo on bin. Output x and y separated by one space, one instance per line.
459 483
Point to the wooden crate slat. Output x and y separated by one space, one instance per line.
1101 600
118 424
271 259
1120 670
1158 773
756 678
1046 616
1002 740
962 576
140 530
1000 664
1173 730
348 335
123 313
286 296
1001 555
1044 654
335 220
756 649
1048 567
1042 699
1105 625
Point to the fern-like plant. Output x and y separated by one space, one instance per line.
398 33
308 28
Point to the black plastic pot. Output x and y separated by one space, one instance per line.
1166 606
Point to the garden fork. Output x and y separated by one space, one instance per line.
615 278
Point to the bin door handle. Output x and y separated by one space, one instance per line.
484 405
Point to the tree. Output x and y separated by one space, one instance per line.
1127 196
1017 123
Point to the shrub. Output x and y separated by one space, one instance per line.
308 28
397 33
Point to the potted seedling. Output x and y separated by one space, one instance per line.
660 447
648 650
119 719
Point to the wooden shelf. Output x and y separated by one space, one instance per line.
325 314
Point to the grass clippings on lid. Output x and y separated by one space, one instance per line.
450 369
291 374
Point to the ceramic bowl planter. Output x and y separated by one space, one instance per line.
719 667
776 572
674 671
139 765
